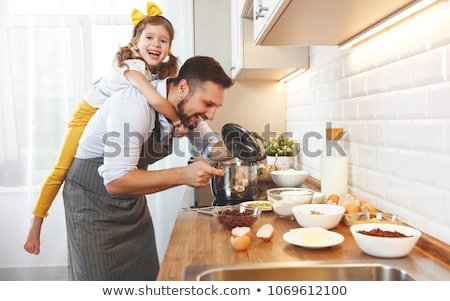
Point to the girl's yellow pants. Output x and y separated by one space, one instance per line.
80 117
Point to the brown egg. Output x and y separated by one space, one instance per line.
351 208
240 243
369 206
241 231
356 200
333 198
265 232
345 203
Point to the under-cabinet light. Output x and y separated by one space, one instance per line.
292 75
401 14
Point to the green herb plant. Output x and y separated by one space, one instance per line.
281 146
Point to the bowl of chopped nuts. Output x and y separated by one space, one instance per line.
385 240
325 216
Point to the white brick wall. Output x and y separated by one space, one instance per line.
392 95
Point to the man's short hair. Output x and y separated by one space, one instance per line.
199 69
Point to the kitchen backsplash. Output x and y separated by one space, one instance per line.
392 96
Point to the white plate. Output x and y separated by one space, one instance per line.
293 237
263 205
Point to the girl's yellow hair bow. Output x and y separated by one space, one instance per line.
152 11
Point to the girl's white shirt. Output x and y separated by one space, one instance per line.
118 129
114 81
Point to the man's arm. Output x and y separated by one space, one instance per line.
139 182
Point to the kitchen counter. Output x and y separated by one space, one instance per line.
199 239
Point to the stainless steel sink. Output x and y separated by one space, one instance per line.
371 270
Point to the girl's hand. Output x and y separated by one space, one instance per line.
179 129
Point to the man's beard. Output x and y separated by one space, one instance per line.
184 118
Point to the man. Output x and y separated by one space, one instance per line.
109 228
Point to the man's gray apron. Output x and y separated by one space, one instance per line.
110 237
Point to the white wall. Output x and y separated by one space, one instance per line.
16 204
392 95
255 105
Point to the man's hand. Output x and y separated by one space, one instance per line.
199 173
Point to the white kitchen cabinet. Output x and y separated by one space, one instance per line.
262 11
316 22
253 62
212 30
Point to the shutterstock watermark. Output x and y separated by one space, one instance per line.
121 143
242 144
308 141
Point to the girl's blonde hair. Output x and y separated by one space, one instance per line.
164 69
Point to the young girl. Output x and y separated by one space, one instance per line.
142 60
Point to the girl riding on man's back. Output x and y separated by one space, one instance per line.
147 57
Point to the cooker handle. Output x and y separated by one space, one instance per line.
263 152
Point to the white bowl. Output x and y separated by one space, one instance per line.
318 215
284 199
289 177
385 247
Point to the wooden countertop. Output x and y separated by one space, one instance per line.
199 239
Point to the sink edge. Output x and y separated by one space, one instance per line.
421 269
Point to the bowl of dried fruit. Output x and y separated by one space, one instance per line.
236 216
385 240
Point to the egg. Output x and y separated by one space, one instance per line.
265 232
240 243
369 206
333 198
350 207
241 231
345 204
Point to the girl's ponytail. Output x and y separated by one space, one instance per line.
169 68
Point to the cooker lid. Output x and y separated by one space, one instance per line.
243 144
